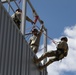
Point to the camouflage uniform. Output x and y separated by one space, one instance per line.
60 53
35 40
17 18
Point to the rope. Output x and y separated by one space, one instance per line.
29 28
36 16
47 36
50 39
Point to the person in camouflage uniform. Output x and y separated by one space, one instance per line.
35 39
17 17
60 53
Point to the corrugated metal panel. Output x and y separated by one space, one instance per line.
10 45
15 53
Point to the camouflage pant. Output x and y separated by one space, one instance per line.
58 56
34 48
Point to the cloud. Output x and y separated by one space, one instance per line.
70 31
68 63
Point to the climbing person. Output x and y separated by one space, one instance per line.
17 17
35 39
60 53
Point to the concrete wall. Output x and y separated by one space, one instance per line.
15 53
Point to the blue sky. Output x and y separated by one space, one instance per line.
56 14
59 18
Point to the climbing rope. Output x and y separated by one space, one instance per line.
36 18
45 35
48 37
29 28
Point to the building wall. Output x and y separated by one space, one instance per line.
16 57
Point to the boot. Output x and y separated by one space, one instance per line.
41 67
45 65
38 60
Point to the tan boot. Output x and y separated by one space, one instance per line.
39 59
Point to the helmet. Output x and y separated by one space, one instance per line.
64 38
19 10
34 30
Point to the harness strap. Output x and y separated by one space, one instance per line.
59 54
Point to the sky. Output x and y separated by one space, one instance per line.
59 18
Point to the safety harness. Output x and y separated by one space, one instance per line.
60 54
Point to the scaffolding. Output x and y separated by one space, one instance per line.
23 22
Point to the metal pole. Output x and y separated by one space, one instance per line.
8 6
23 16
11 7
45 45
34 10
16 4
45 50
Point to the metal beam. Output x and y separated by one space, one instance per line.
23 16
34 11
45 50
45 44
